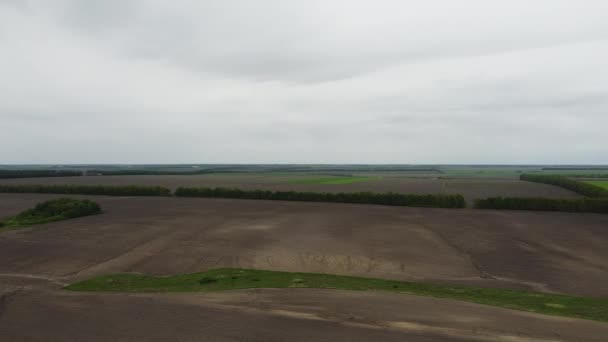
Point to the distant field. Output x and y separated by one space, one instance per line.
603 184
331 180
470 187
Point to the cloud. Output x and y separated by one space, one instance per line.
303 81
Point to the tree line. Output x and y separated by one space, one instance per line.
397 199
5 174
130 190
583 205
601 168
582 188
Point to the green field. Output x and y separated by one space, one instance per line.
232 279
603 183
331 180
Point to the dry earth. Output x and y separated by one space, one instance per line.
558 252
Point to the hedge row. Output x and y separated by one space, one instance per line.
582 188
584 205
131 190
4 174
438 201
575 168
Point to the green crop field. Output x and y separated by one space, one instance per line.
232 279
331 180
602 183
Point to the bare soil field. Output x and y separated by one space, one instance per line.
470 188
542 251
274 316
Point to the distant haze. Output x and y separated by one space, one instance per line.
127 81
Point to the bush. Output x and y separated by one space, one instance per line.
131 190
439 201
546 204
582 188
55 210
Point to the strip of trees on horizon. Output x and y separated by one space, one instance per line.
128 190
579 205
590 168
582 188
395 199
7 174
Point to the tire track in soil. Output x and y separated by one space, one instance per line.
459 250
162 240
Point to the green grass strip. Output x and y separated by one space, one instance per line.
601 184
233 279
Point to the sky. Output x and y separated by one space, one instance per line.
304 81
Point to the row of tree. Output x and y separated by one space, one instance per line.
582 188
546 204
4 174
130 190
592 168
411 200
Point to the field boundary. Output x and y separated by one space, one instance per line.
107 190
234 279
584 205
582 188
389 198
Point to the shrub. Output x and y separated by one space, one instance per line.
55 210
582 188
439 201
546 204
131 190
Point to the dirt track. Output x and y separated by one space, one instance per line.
274 315
558 252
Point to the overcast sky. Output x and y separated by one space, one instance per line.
487 81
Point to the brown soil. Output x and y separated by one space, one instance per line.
274 315
543 251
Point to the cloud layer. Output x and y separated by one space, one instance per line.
127 81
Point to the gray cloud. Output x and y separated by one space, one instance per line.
303 81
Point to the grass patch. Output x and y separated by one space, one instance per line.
232 279
52 210
601 184
331 180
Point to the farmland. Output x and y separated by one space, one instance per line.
330 180
603 184
479 264
470 188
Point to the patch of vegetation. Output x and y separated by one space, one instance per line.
4 174
411 200
582 188
232 279
585 205
594 168
130 190
601 184
52 210
331 180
